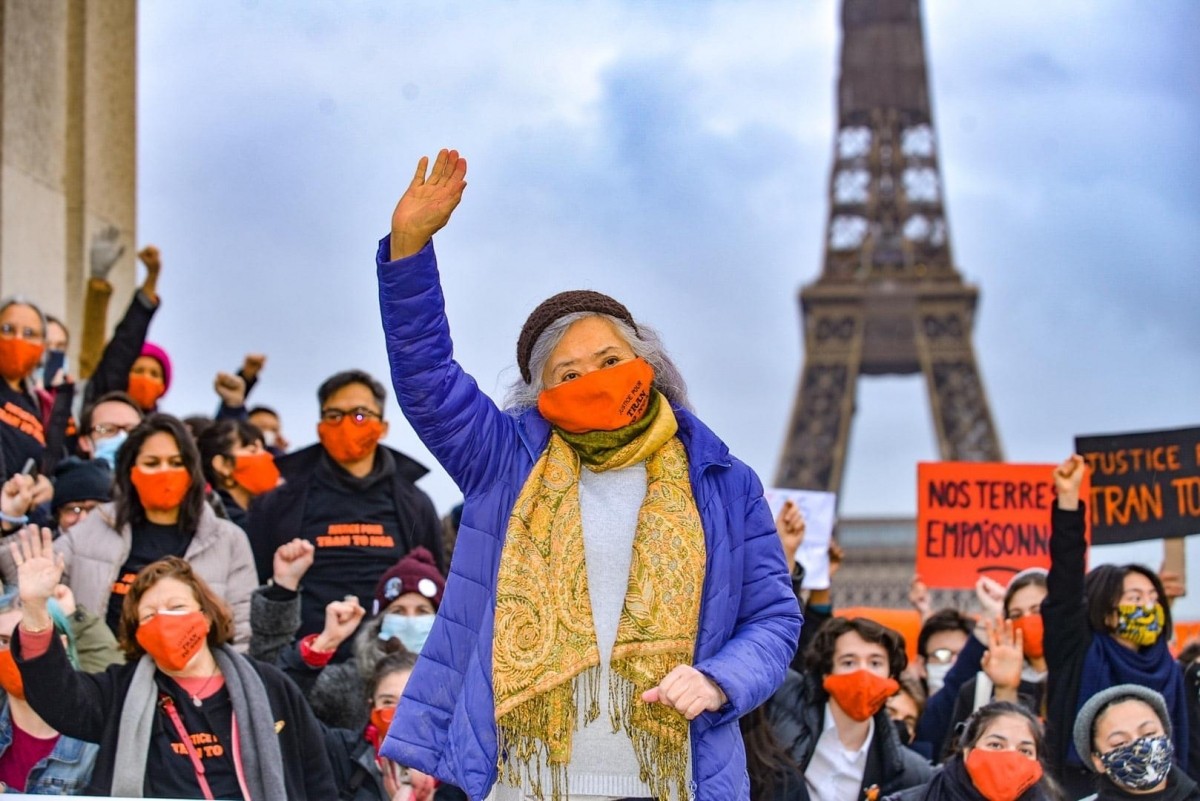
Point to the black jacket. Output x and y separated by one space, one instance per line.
797 713
112 373
274 518
87 706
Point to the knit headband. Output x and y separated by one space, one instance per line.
558 306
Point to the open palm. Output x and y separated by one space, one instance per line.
39 568
428 202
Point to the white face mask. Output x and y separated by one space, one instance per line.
935 676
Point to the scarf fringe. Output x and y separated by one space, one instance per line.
659 735
524 757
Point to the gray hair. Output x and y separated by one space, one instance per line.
645 342
21 300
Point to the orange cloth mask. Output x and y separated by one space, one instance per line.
172 638
1002 775
256 472
1032 643
381 721
163 490
860 694
18 357
145 390
10 677
349 441
602 400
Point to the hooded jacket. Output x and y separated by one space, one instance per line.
749 618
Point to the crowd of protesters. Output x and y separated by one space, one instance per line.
192 609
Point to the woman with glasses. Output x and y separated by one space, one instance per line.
22 426
158 511
186 716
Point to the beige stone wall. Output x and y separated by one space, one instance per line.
68 147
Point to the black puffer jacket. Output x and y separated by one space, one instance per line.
797 714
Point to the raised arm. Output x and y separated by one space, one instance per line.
459 424
75 704
1064 610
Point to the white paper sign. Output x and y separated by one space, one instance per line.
819 510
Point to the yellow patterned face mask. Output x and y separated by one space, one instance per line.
1140 625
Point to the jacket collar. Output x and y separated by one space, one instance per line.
304 461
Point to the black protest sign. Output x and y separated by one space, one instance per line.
1144 485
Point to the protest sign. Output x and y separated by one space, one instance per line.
819 510
981 519
1144 485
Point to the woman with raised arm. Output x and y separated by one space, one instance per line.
186 716
1109 626
618 596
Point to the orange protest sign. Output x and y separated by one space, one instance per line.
982 519
1185 632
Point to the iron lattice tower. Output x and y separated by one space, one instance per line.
889 299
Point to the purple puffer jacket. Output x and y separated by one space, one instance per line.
749 619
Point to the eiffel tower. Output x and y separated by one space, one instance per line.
889 299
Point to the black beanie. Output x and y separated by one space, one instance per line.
560 305
77 480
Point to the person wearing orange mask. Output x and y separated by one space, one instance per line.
354 499
1014 666
186 716
34 758
832 718
159 510
22 343
237 465
149 377
618 597
998 757
109 367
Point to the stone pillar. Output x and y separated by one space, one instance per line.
68 147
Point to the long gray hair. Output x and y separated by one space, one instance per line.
20 300
645 342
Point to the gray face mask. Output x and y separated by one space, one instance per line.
935 676
1140 765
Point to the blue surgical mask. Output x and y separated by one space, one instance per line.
106 449
410 631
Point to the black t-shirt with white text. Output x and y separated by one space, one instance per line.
170 772
357 533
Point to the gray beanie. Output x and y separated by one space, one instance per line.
1085 721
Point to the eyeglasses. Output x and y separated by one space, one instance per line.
359 415
9 331
941 656
74 511
104 430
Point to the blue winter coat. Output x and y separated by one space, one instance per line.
749 618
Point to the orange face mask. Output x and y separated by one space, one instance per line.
145 390
602 400
10 677
1002 775
18 357
349 441
163 490
173 638
256 472
860 694
381 721
1032 643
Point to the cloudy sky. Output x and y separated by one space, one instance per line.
675 155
